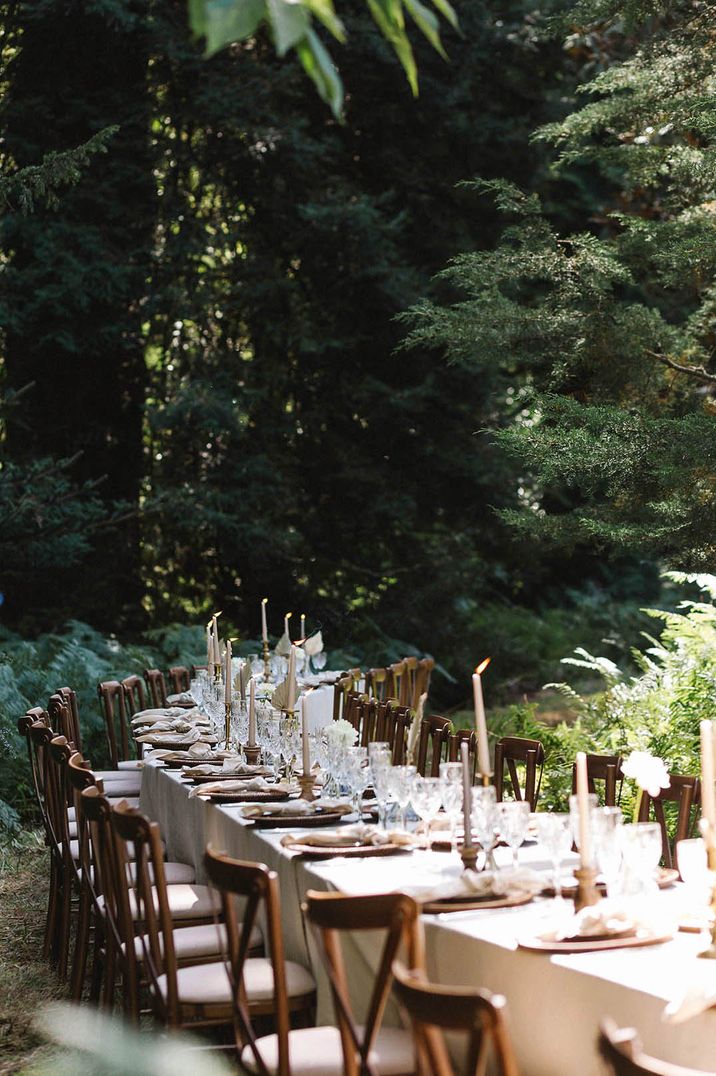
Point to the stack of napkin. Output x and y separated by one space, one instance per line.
255 784
507 883
182 696
240 769
293 807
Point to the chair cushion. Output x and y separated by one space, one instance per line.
120 782
195 943
208 984
131 764
185 902
317 1051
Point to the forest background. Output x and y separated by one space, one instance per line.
223 357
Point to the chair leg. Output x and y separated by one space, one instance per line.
109 976
79 964
98 964
48 945
63 931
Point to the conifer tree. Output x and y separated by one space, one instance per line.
605 333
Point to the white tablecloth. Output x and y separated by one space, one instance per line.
555 1002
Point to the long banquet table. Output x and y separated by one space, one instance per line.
555 1002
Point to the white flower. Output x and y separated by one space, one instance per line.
647 770
341 734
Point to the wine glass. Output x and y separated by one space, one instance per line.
357 775
426 798
641 852
401 786
452 796
606 824
555 834
513 819
592 804
380 757
483 819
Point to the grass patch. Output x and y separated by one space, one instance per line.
26 980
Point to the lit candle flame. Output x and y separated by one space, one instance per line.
264 601
288 615
482 666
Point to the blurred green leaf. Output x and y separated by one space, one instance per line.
319 67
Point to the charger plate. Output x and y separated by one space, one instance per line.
210 778
473 903
303 846
546 943
245 797
309 821
177 741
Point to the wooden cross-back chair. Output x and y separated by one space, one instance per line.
433 742
455 739
156 686
63 712
622 1051
179 679
476 1013
113 705
286 1052
40 736
511 751
399 720
400 673
367 1048
366 715
58 754
380 684
421 681
606 770
135 694
345 690
685 792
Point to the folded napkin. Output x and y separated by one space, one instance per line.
362 833
283 646
314 644
182 696
234 768
505 883
256 784
414 730
187 738
279 699
146 717
598 921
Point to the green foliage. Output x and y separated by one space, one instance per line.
658 709
290 24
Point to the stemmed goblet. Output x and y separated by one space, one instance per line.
512 820
555 834
402 779
452 796
426 798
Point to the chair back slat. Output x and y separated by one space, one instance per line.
380 684
621 1050
433 744
685 791
156 686
398 917
477 1013
606 770
135 694
511 750
179 679
112 702
455 739
421 681
344 686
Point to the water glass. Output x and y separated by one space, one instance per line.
426 799
380 756
555 835
484 816
593 803
641 852
451 787
606 826
512 821
402 779
357 775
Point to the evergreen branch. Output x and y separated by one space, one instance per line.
700 373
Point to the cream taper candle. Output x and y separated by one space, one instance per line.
264 628
466 794
227 673
305 743
585 833
291 700
252 713
483 749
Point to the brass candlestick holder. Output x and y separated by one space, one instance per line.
307 782
709 836
485 779
227 729
217 672
266 657
586 893
291 726
252 754
468 855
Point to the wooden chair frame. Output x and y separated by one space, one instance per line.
179 679
478 1013
156 686
259 888
622 1052
113 704
434 733
511 750
398 916
686 792
606 768
135 694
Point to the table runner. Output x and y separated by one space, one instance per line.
555 1002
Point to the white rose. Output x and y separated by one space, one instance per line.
648 771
